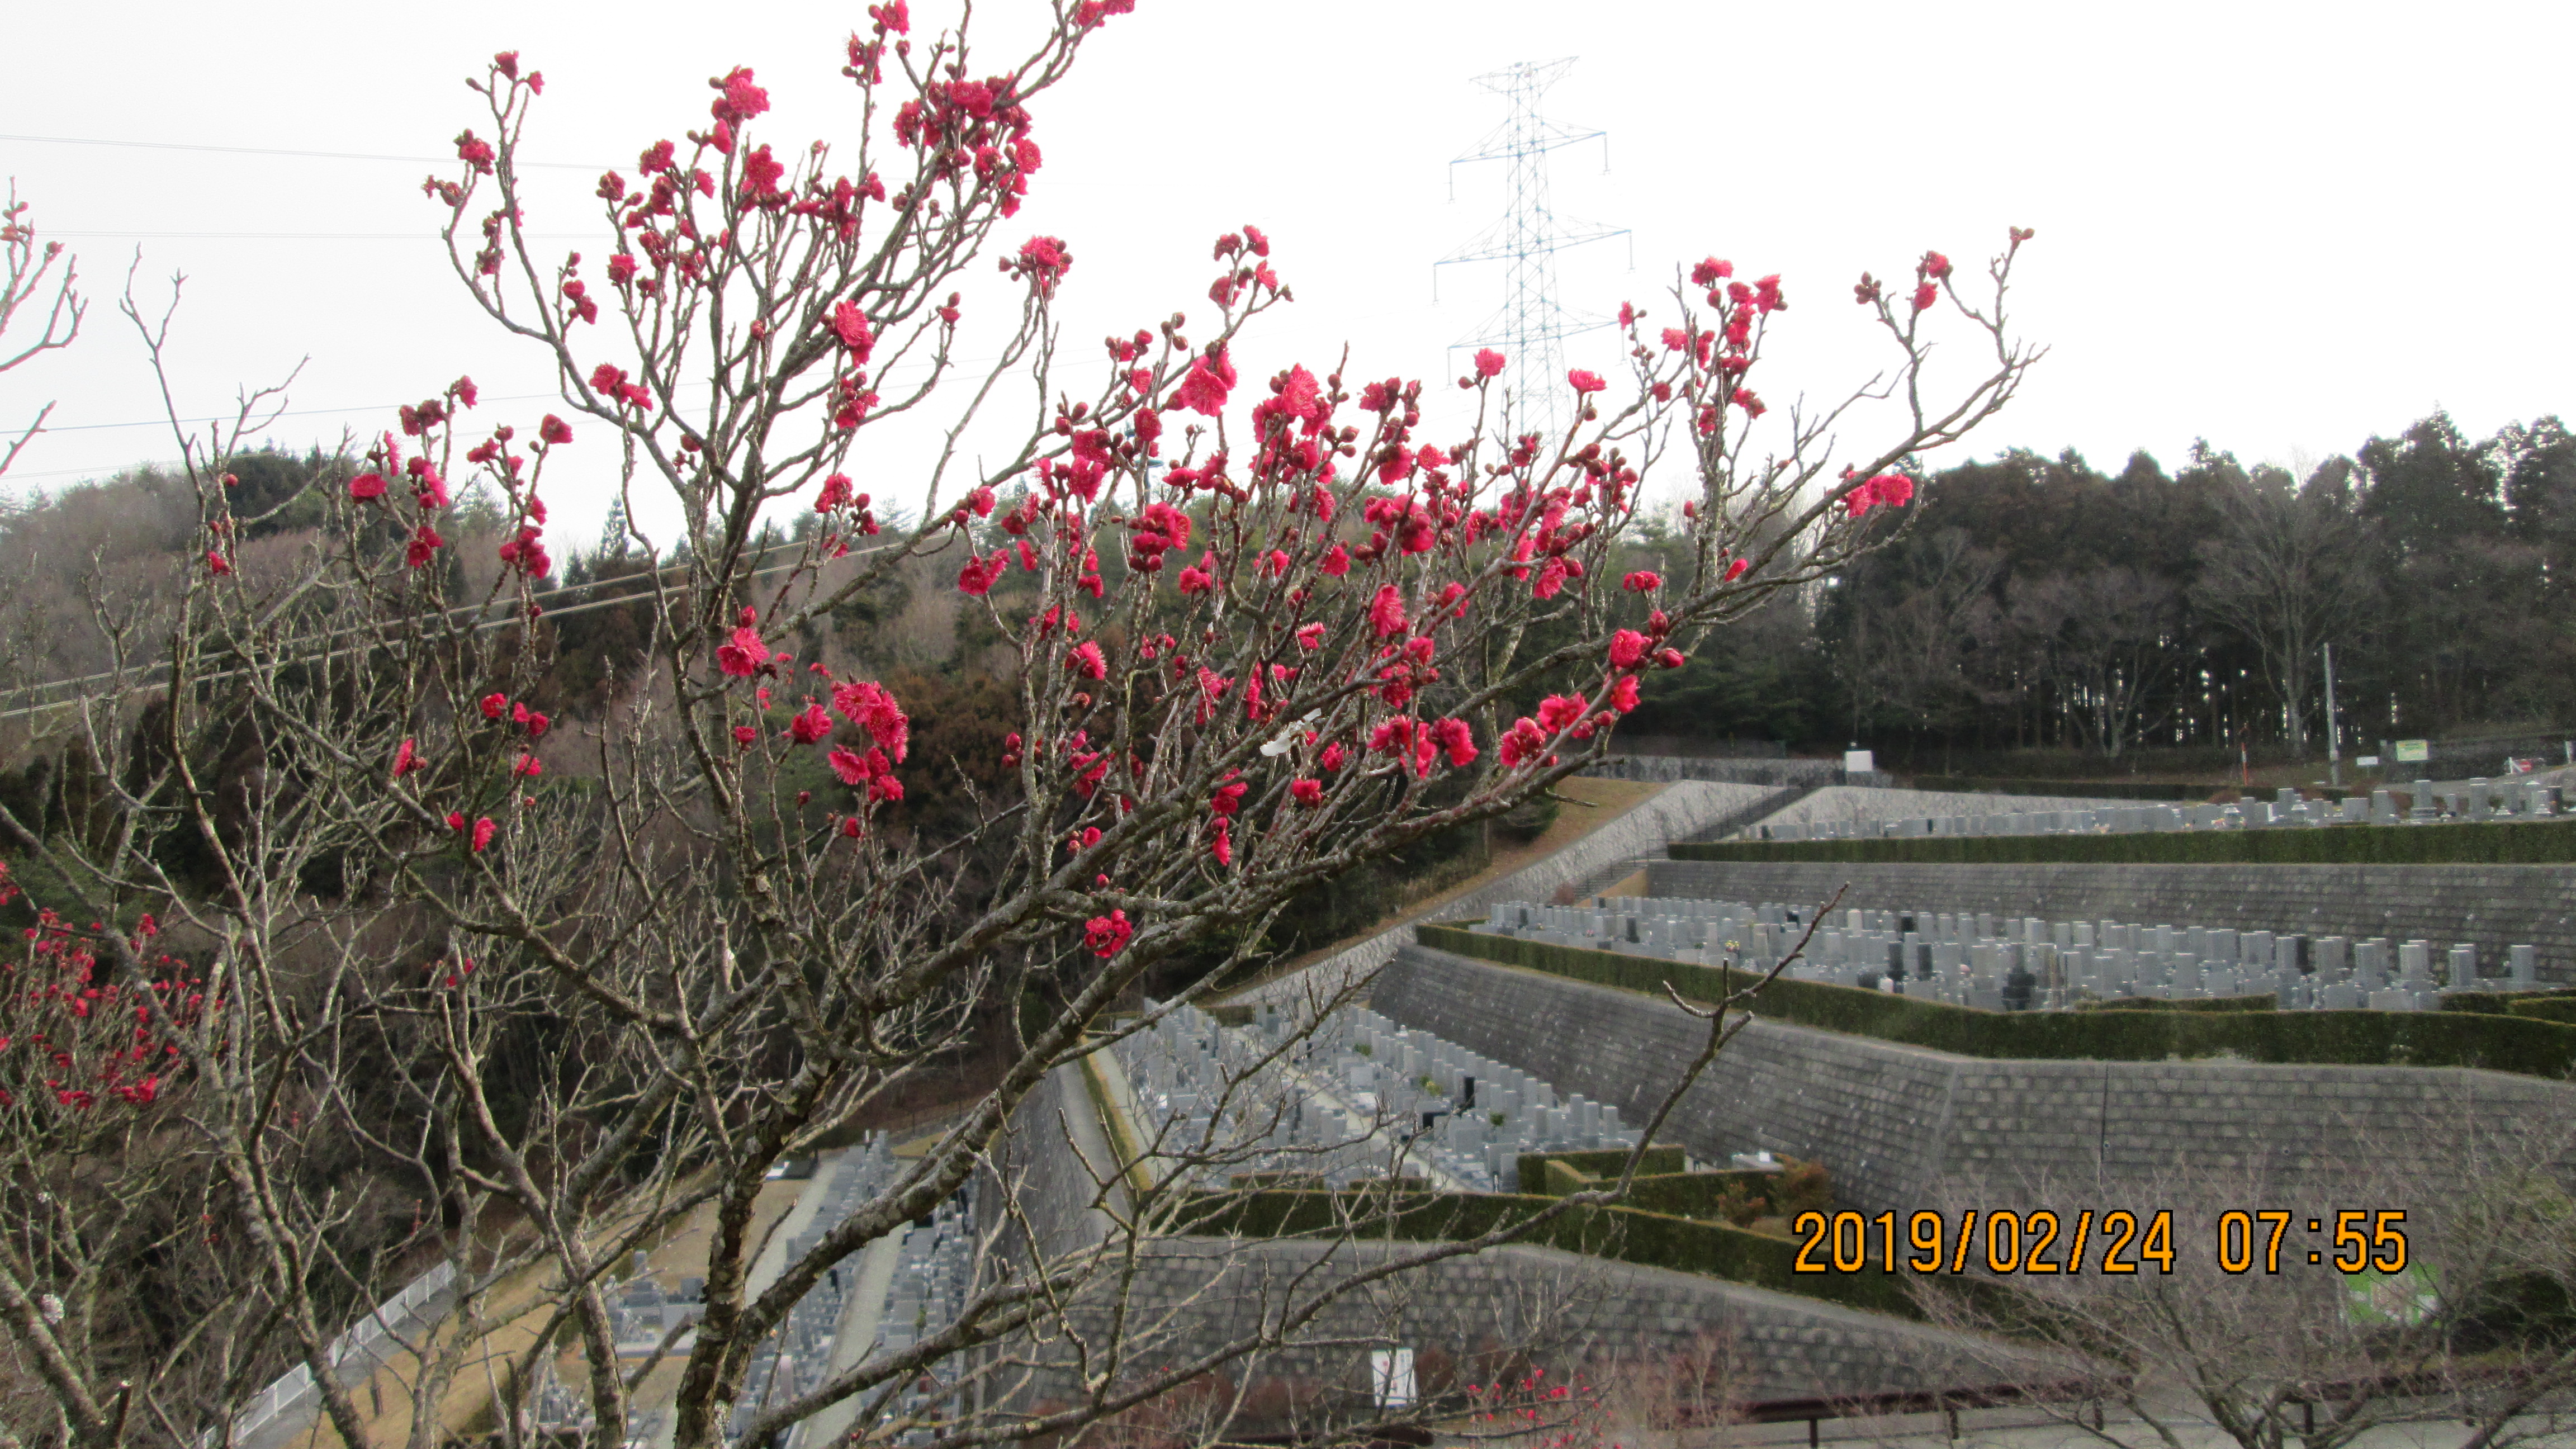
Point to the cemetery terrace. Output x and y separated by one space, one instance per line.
1357 1099
2008 964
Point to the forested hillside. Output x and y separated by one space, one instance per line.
2030 604
2043 603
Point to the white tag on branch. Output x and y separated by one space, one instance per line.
1287 738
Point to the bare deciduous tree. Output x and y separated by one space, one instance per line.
1916 657
2266 1310
468 989
2289 573
2106 637
30 274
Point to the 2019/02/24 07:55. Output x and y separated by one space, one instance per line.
2114 1242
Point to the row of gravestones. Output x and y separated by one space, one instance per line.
1674 928
2005 963
2506 799
1355 1098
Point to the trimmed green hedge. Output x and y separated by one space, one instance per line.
2073 789
1675 1194
2499 1003
2509 842
1625 1234
2262 1001
2340 1038
2546 1008
1600 1162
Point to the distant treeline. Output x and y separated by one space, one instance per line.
2039 604
2034 613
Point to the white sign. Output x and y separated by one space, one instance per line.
2368 762
1858 760
1391 1377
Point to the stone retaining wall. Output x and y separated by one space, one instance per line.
2489 906
1904 1128
1569 1314
1558 1310
1861 804
1038 1162
1775 773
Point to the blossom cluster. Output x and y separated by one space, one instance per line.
864 704
74 1040
1311 587
1359 556
1895 490
428 490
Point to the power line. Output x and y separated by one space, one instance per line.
336 236
298 413
15 474
909 368
278 151
513 617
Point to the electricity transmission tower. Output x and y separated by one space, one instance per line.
612 535
1530 327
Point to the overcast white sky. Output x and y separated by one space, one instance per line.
2284 227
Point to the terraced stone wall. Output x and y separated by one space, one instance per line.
1904 1128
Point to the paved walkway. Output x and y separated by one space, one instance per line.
1671 813
767 1268
856 1335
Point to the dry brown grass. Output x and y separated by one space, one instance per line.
386 1403
1596 803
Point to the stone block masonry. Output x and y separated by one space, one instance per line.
1563 1311
1572 1315
1904 1128
1865 808
2488 906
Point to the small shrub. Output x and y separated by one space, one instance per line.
2499 1003
1528 820
1739 1205
1805 1187
1628 1234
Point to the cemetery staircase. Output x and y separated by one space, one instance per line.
1609 873
1753 814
